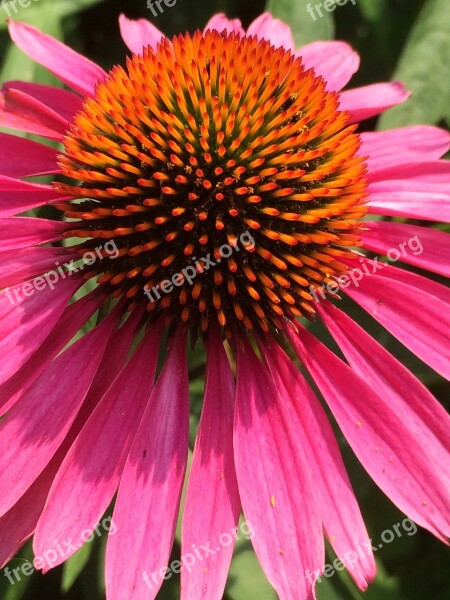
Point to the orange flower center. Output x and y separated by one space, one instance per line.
226 176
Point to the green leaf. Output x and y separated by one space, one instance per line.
17 589
74 566
304 28
423 67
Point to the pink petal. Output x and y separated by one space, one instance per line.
436 171
370 100
212 483
431 246
22 232
410 307
138 34
69 323
89 476
18 196
29 438
407 144
220 23
25 324
381 439
62 102
20 157
275 31
24 113
413 199
154 473
18 266
396 386
276 490
336 62
70 67
338 507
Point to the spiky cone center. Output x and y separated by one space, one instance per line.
209 143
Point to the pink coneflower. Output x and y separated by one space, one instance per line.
232 147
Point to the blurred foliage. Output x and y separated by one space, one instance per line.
397 39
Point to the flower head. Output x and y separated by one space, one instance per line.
215 186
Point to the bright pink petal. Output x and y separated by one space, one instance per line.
412 199
397 387
436 171
18 196
336 62
34 428
338 507
18 266
89 476
220 23
380 438
138 34
274 482
70 67
25 324
24 113
67 325
430 247
413 308
370 100
23 232
404 145
62 102
212 482
275 31
20 157
154 473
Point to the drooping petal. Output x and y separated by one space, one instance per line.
380 438
138 34
68 324
412 199
338 507
397 387
336 62
89 475
412 308
418 246
371 100
23 232
212 482
70 67
20 157
275 484
18 266
220 23
407 144
64 103
25 323
436 171
23 113
34 428
154 473
273 30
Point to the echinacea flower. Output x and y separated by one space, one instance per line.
225 170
